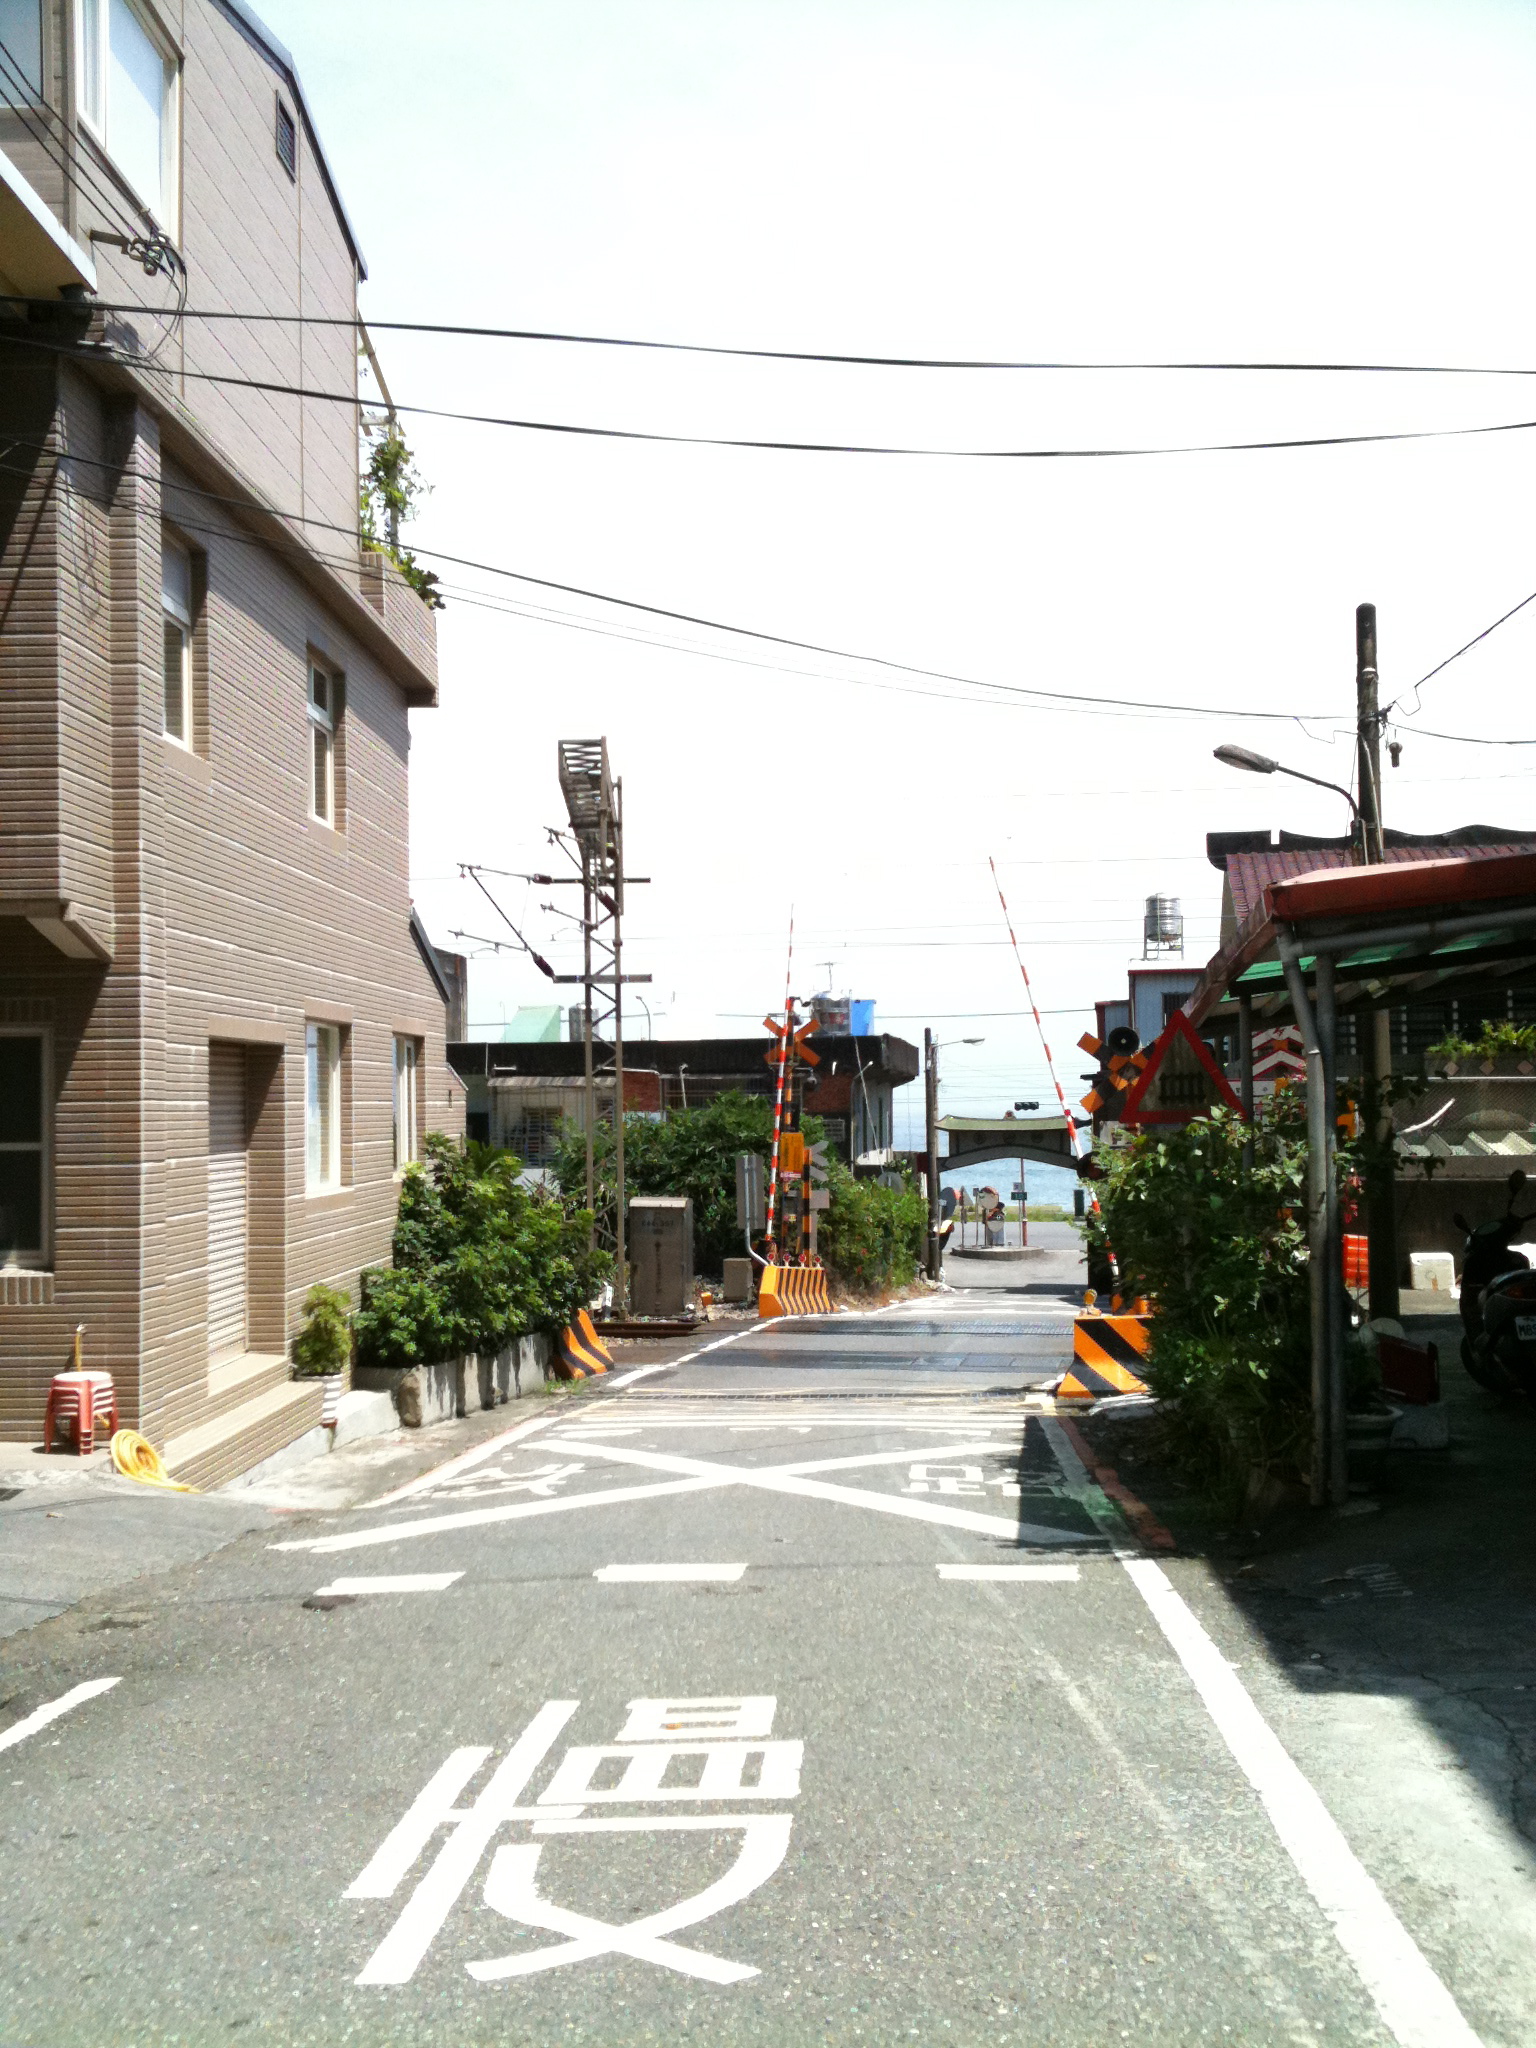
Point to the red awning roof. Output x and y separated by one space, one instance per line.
1250 874
1400 890
1486 876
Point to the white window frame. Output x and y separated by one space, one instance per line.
322 1108
93 49
407 1082
323 690
174 613
36 1258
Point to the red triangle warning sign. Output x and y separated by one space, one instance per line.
1181 1081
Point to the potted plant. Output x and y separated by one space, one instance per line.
322 1349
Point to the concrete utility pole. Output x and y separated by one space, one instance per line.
1368 734
931 1095
1375 1024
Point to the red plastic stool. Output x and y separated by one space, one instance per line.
78 1398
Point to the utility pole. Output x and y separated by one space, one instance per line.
1376 1024
620 1269
1368 734
594 802
931 1094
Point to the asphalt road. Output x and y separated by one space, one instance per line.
803 1691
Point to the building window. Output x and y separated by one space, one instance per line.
23 1151
176 618
324 705
405 1102
322 1108
21 60
287 141
128 98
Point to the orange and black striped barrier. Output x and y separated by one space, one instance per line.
1107 1354
581 1353
793 1291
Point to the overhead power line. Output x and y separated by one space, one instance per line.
1077 700
769 445
802 355
1476 640
1027 692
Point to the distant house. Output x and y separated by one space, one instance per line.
519 1094
221 1029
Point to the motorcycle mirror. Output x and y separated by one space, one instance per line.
1461 1223
1516 1181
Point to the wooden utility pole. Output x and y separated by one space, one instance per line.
931 1095
1375 1024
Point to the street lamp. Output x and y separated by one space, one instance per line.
1261 764
682 1076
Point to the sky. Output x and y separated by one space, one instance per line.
1090 181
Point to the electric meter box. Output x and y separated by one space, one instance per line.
660 1255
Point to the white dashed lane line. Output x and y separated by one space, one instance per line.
401 1582
1058 1572
35 1722
670 1574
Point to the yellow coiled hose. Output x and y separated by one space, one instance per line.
136 1458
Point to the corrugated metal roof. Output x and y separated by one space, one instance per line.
1250 874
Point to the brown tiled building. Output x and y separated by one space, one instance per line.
221 1029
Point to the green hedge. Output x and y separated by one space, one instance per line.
871 1236
479 1260
1220 1246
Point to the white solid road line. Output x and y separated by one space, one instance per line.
644 1372
1412 2001
400 1582
1060 1572
642 1574
75 1697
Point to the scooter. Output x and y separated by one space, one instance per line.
1498 1301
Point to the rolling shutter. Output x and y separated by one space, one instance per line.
226 1199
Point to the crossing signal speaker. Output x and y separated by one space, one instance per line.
1123 1041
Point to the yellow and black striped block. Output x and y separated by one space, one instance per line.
793 1291
581 1353
591 1340
1106 1354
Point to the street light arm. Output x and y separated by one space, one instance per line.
1261 764
1318 783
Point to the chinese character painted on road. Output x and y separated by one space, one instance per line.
668 1754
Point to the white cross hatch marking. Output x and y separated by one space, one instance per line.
704 1474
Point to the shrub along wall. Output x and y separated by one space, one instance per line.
479 1260
871 1236
1220 1246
